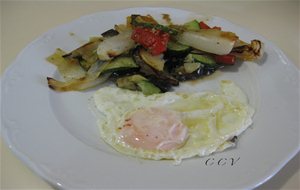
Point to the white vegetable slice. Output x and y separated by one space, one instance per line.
114 46
209 40
68 69
92 79
77 84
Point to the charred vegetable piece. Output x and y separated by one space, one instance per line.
120 63
129 82
84 64
181 74
91 79
114 46
157 62
194 66
160 79
142 21
173 62
121 73
249 52
77 84
85 50
68 69
110 33
86 54
138 82
149 71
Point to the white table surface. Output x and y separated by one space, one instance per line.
23 21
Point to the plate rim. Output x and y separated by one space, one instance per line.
36 169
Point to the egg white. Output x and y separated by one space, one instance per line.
213 119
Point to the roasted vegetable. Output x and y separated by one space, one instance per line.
209 40
155 41
249 52
190 67
110 33
85 55
129 82
161 79
122 28
192 25
176 49
77 84
91 79
182 74
138 82
68 69
203 25
207 60
120 63
225 59
113 46
157 62
194 66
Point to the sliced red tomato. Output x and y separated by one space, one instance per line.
203 25
154 40
225 59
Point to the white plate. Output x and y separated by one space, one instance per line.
56 135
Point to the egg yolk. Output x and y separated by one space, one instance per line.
154 129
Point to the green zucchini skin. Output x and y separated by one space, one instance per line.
175 49
207 60
192 25
184 69
120 64
137 82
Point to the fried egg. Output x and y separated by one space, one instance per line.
172 125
